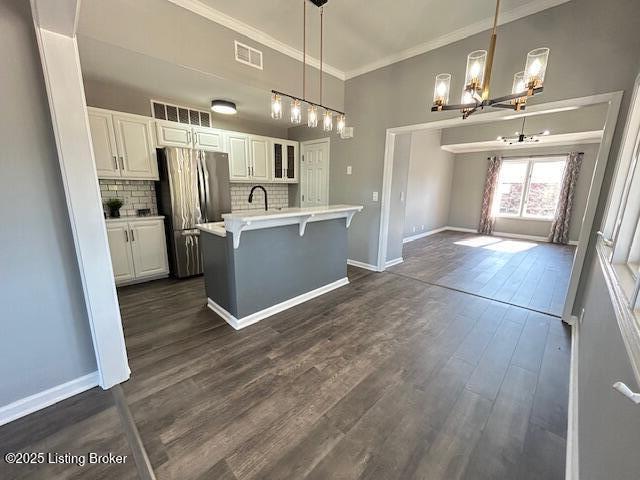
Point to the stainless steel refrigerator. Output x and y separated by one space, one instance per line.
193 188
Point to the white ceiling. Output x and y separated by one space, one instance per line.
362 35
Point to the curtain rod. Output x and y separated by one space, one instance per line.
540 155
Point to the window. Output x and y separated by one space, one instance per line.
529 187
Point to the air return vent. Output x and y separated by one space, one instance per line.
178 113
248 56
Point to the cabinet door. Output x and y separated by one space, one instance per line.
104 144
278 161
120 249
148 245
172 134
291 163
136 148
260 158
238 150
208 139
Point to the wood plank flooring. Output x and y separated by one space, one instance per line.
520 272
386 378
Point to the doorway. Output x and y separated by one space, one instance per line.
314 173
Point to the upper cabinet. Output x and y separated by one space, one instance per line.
285 161
123 145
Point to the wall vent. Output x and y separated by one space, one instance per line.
248 55
181 114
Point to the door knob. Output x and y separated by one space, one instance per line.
626 391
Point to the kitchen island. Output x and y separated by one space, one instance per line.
258 263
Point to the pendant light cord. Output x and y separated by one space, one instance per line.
304 49
321 45
495 18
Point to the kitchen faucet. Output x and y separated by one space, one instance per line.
266 204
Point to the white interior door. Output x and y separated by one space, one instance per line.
314 173
120 250
103 139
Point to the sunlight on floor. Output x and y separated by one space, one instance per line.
497 244
478 241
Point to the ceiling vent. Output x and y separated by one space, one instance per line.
248 56
181 114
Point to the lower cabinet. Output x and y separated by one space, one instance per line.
138 249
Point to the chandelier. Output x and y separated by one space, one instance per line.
314 110
521 137
475 95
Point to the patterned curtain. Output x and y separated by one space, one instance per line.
560 226
486 215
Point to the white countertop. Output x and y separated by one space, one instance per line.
133 218
240 221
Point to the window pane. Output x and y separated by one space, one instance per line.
544 188
510 188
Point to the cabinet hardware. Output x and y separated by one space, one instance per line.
195 138
126 236
121 162
133 239
115 160
626 391
188 137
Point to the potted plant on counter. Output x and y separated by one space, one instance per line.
114 204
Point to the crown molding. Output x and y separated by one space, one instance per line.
457 35
255 34
575 138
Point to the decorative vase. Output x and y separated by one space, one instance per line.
114 212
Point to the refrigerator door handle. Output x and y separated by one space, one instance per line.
202 186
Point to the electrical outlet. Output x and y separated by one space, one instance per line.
375 196
348 169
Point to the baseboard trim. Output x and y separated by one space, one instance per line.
366 266
572 469
46 398
519 236
239 323
423 234
395 261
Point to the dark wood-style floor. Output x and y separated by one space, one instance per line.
520 272
386 378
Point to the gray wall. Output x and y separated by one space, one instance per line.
609 424
165 31
401 160
123 98
469 173
429 184
594 49
45 338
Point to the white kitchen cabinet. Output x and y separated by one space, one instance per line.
173 134
138 249
209 139
123 145
103 138
120 249
136 148
239 162
259 149
286 162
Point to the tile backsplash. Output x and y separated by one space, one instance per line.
278 196
134 194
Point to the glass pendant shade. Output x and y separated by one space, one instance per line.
312 116
536 67
341 124
327 121
441 89
519 85
474 76
296 112
467 97
276 107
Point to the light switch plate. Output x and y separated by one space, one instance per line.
375 196
349 170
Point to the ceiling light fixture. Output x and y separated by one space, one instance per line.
296 102
475 95
224 107
521 137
